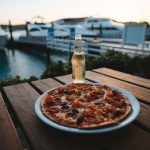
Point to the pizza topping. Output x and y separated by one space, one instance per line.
66 108
81 99
92 107
115 92
89 97
79 120
71 114
75 110
110 101
67 92
109 95
68 97
75 91
106 88
70 120
58 99
61 89
63 103
99 105
48 98
76 104
53 109
97 94
88 113
120 103
91 120
110 107
98 116
81 110
63 99
117 112
94 87
60 115
85 105
119 97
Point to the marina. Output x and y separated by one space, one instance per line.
29 49
98 35
3 38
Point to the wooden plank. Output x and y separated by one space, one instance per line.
8 135
124 76
144 118
45 84
140 92
128 138
67 79
41 136
145 105
127 142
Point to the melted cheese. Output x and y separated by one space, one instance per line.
63 99
70 120
60 115
80 110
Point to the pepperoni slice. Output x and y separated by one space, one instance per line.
76 104
53 109
48 98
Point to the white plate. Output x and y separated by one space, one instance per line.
135 111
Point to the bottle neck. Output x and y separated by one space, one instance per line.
78 46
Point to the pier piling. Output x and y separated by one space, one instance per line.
10 30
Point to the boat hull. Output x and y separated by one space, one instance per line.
3 41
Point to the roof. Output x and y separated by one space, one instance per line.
71 20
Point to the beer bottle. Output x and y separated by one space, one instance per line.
78 62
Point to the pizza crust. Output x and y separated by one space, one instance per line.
127 113
59 121
109 122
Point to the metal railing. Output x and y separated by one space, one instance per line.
89 46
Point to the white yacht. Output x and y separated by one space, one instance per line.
64 33
89 28
107 28
62 28
36 32
38 29
3 38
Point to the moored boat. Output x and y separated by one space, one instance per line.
3 38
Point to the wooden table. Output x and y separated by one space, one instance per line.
20 128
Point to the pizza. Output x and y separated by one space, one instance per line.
85 106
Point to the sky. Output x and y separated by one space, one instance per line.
19 11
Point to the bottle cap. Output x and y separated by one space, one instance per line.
78 37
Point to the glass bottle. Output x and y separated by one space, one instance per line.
78 62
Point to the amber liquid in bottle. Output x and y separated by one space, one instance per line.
78 64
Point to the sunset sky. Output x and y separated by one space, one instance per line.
18 11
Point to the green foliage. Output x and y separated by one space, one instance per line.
138 65
110 59
53 69
57 69
16 80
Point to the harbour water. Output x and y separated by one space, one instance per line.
24 63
